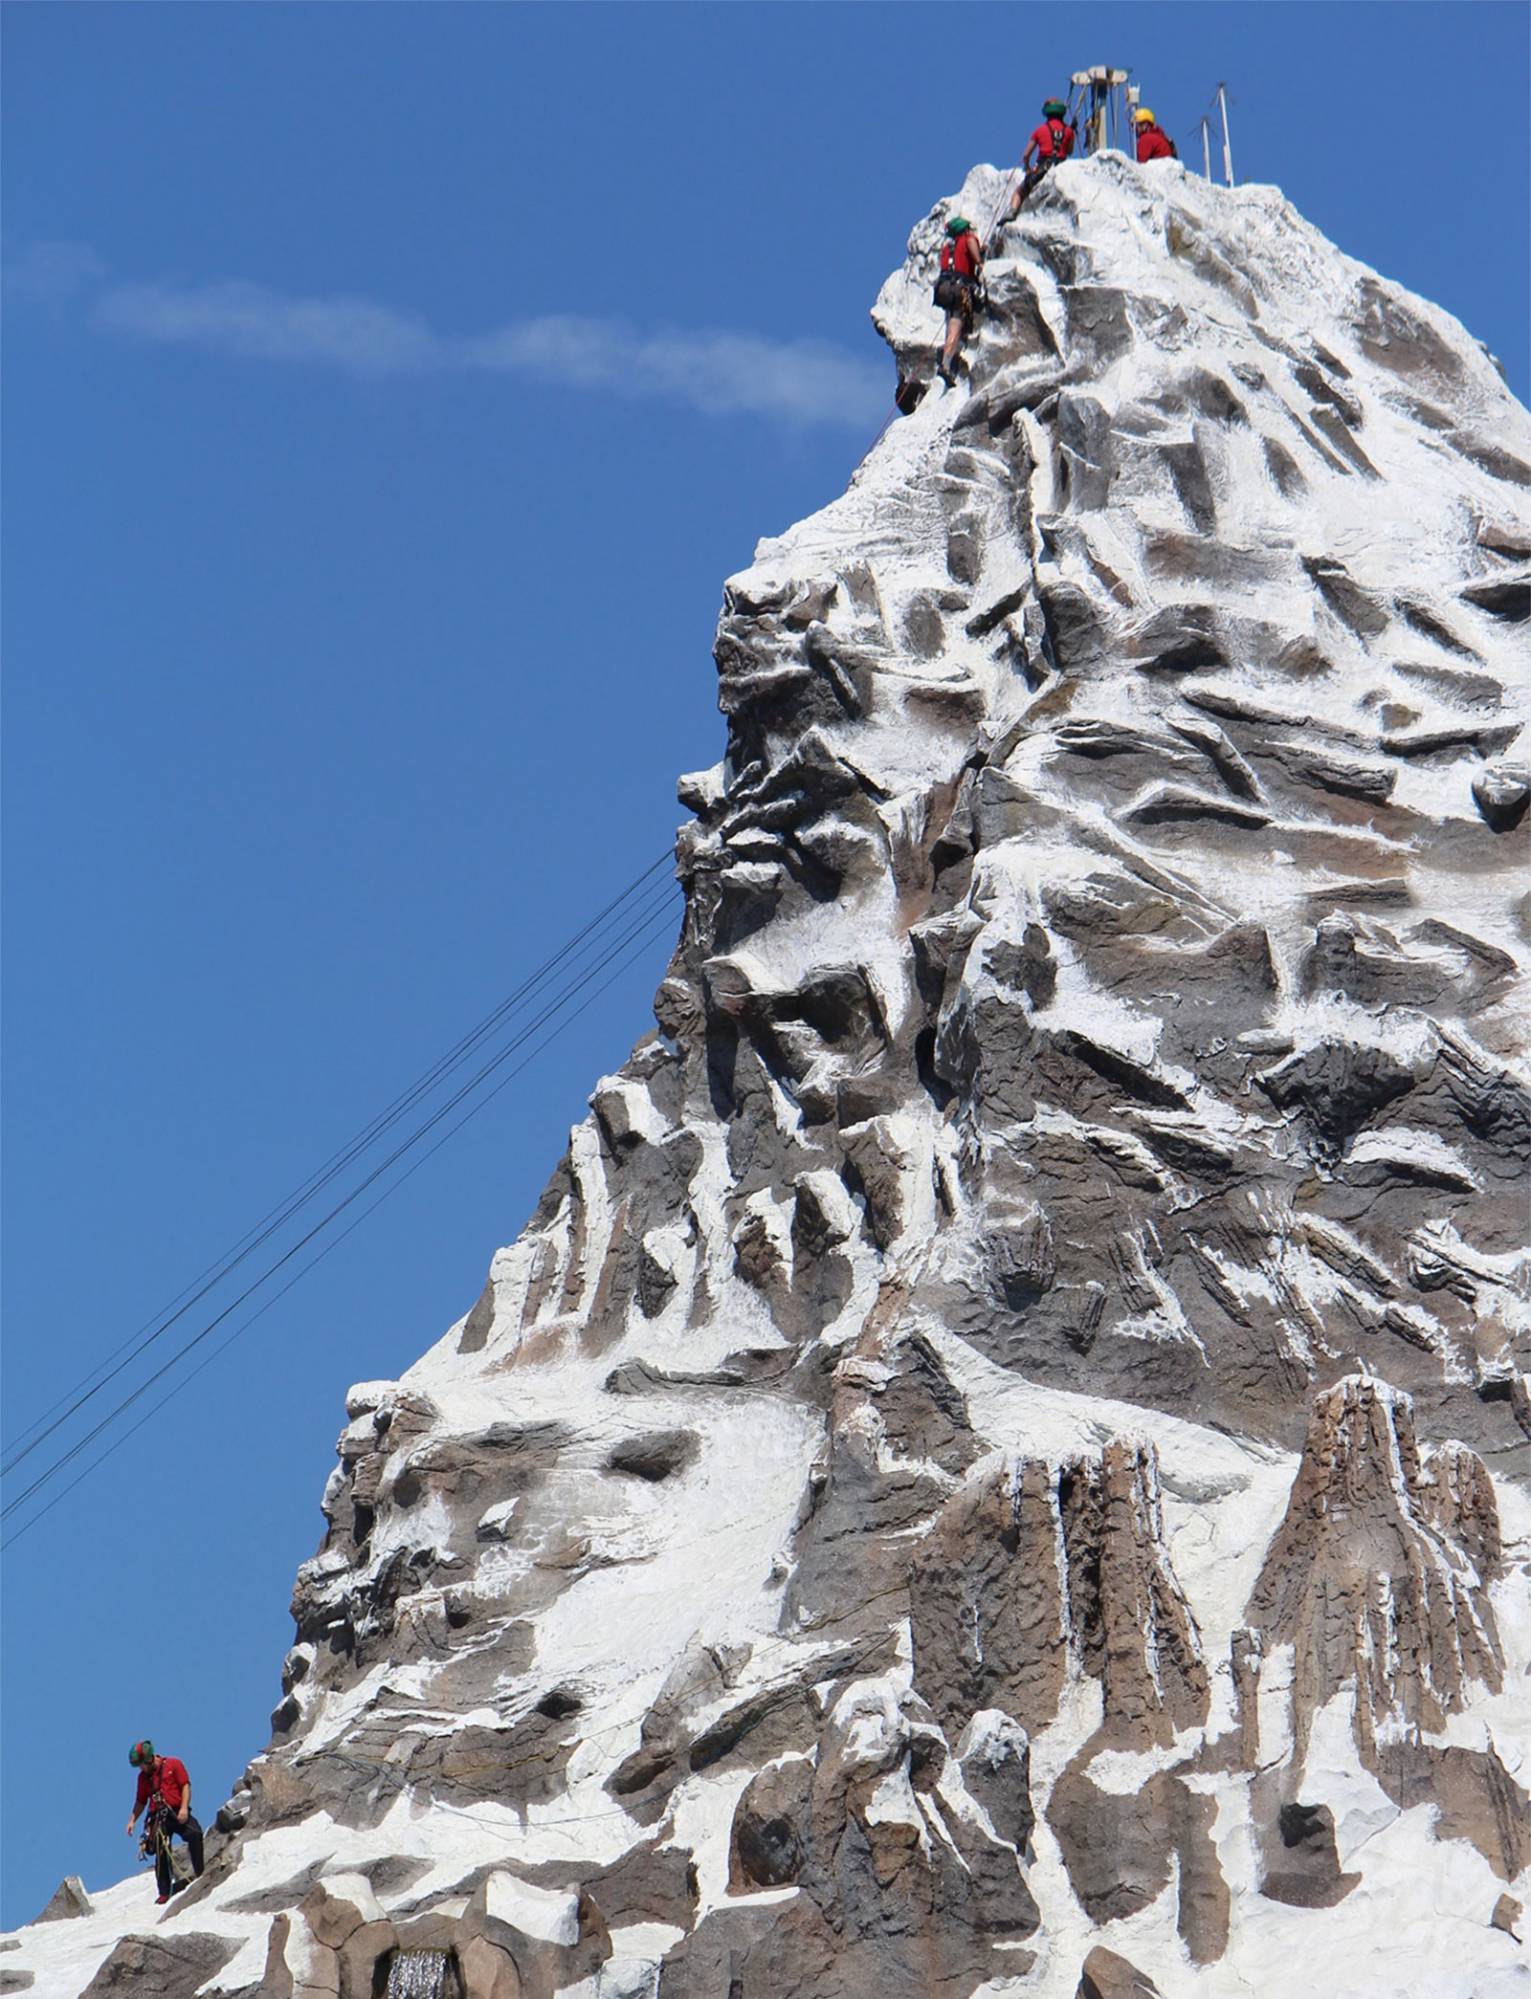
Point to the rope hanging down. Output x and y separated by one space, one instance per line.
641 914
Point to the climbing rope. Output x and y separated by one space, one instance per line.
1002 203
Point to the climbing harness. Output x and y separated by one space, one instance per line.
1061 136
958 287
155 1846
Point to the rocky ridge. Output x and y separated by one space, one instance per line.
998 1464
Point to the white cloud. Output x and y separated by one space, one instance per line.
52 273
718 372
714 371
259 325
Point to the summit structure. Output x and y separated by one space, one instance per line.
998 1464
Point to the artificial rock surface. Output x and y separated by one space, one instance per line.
998 1464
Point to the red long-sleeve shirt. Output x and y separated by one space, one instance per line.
1153 145
1053 139
166 1779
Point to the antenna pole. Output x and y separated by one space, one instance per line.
1105 102
1206 147
1222 99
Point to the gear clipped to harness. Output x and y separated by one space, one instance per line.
1048 147
959 286
959 289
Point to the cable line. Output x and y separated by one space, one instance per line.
653 928
650 922
292 1203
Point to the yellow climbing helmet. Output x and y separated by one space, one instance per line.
1142 116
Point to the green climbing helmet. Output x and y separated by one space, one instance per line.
1054 108
141 1755
958 226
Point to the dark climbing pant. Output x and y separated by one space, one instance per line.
191 1832
1034 179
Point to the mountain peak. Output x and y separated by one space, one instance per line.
998 1438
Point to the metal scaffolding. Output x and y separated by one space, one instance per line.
1101 107
1101 104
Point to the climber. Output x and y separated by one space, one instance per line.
1050 145
959 290
165 1788
1152 143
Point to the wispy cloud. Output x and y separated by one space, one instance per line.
713 370
52 273
255 324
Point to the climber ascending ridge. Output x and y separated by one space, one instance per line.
1049 145
1152 143
959 290
165 1788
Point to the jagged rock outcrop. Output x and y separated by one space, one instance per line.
68 1899
1005 1435
1379 1573
1033 1576
176 1966
898 1879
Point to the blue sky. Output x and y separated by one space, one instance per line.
388 392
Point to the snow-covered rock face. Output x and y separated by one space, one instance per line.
992 1464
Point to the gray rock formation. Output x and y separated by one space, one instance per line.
997 1465
67 1900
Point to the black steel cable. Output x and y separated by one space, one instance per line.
653 929
276 1218
299 1198
286 1257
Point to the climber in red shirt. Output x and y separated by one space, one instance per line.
1049 146
1152 143
959 290
165 1788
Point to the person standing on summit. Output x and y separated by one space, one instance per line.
165 1788
1049 146
1152 143
959 290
